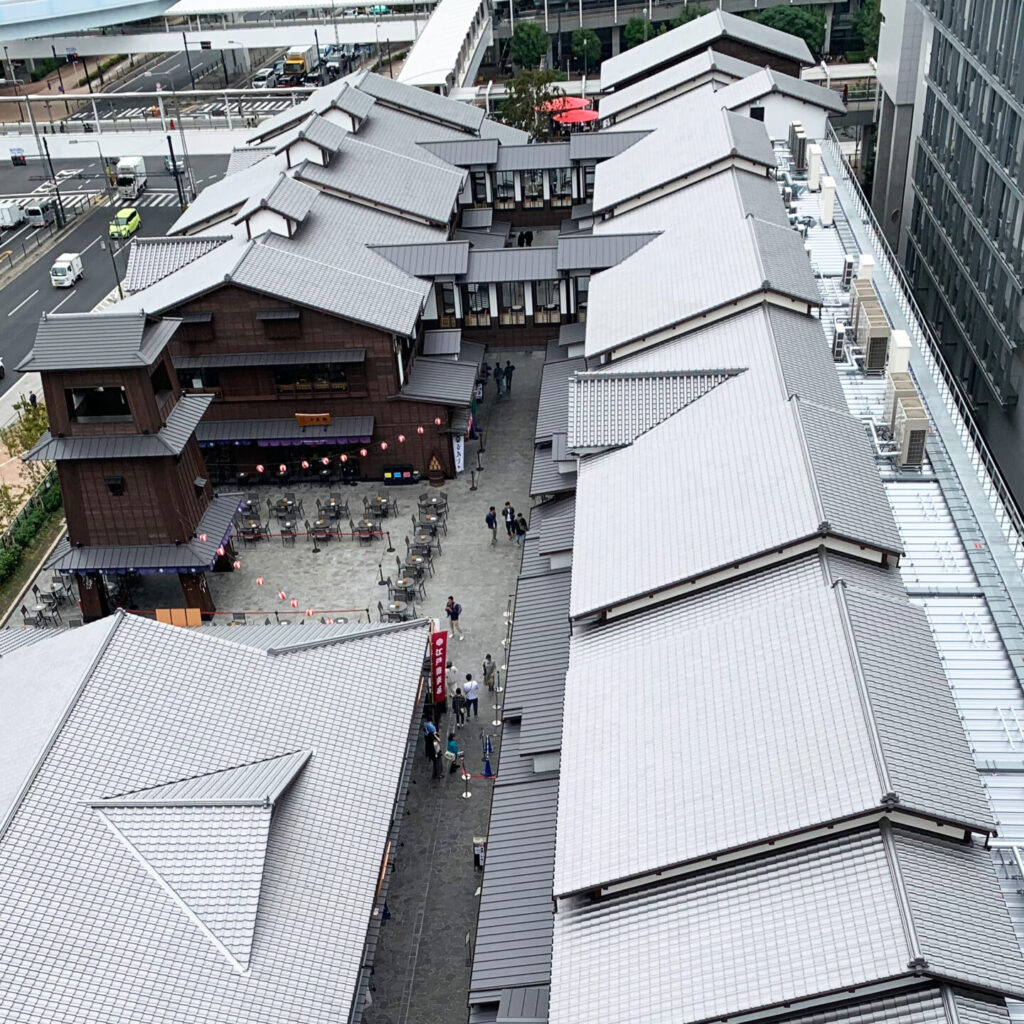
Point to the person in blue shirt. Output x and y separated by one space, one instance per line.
453 754
429 736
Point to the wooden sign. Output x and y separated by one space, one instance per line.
313 419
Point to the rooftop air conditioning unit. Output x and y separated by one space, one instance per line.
800 151
794 127
897 387
874 340
839 342
910 431
787 195
849 270
802 229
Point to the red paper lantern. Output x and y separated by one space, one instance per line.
419 430
237 564
259 581
344 458
305 464
309 613
437 421
383 446
401 438
330 622
202 538
220 551
295 603
282 468
281 594
326 461
363 452
260 468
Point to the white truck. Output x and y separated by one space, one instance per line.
12 213
300 61
66 270
131 176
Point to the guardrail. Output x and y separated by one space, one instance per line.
955 402
19 249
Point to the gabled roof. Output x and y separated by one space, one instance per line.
881 907
745 262
169 440
95 341
844 718
243 157
152 259
205 908
767 81
707 65
342 95
533 157
553 404
428 259
446 381
316 130
601 145
464 152
598 252
288 197
418 101
708 138
679 43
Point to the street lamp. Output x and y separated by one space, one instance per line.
224 63
181 130
11 75
117 276
103 160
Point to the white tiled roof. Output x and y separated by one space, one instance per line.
120 926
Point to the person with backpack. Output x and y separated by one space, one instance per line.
491 519
453 610
521 528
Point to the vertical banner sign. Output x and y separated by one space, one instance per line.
438 657
459 449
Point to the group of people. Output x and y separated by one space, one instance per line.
515 523
465 702
502 375
525 239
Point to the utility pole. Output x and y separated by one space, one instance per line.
188 60
319 63
174 171
60 78
61 219
117 277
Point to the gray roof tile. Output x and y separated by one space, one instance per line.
601 145
350 428
418 101
767 81
94 341
598 252
152 259
553 405
525 264
288 197
465 152
243 157
442 343
533 157
784 259
448 381
428 259
552 523
478 220
294 357
804 357
547 478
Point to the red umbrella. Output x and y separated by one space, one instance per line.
576 117
560 103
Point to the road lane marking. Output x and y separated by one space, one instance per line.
98 238
62 301
22 303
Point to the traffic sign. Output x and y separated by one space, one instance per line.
205 44
72 53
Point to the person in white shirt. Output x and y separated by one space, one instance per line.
472 693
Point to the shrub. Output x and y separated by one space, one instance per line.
10 559
53 499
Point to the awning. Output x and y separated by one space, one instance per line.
280 432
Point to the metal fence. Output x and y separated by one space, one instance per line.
35 500
953 399
16 250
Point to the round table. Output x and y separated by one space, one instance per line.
379 502
397 606
432 501
320 524
424 538
432 519
366 524
288 526
416 560
405 583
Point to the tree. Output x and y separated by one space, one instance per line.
638 30
527 94
806 22
586 46
868 21
689 13
22 434
529 44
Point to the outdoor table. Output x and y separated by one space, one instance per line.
426 539
397 606
433 502
366 524
430 519
320 524
405 583
381 504
416 560
288 525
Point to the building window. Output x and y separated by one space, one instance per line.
504 190
561 186
757 113
545 302
281 324
582 291
533 189
446 304
197 326
98 405
479 185
313 379
478 305
511 303
588 181
203 378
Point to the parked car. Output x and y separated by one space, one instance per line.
125 223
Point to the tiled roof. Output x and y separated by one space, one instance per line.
205 909
93 341
152 259
288 197
245 156
450 382
465 152
528 263
279 358
547 478
428 259
766 81
601 145
553 405
418 101
534 157
349 428
598 252
442 343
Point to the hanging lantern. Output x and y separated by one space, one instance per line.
260 468
344 458
295 603
419 430
220 551
383 446
326 461
259 581
282 469
401 438
309 613
437 421
237 564
305 464
202 538
330 622
363 452
281 594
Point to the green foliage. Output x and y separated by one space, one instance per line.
102 67
44 65
30 522
868 21
529 44
806 22
586 47
527 94
690 12
638 30
22 434
10 559
52 498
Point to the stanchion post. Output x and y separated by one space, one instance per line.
391 547
472 479
465 780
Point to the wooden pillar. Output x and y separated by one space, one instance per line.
197 592
92 594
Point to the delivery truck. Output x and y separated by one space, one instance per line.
300 61
131 177
12 213
66 270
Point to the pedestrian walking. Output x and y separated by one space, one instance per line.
451 755
490 671
459 707
453 610
491 519
429 735
507 373
436 754
508 513
521 527
451 677
32 400
522 239
499 379
529 238
472 692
